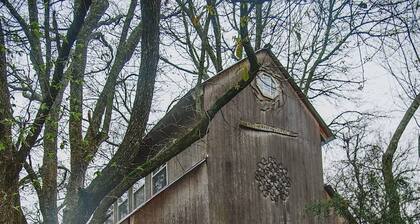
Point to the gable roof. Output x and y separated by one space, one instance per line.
183 116
326 133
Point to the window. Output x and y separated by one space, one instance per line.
268 86
139 193
159 179
122 206
110 215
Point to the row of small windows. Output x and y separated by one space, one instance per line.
136 195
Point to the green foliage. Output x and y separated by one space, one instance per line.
89 156
97 173
36 30
77 116
8 122
2 48
114 164
43 106
50 136
51 155
319 209
211 10
243 21
57 86
2 146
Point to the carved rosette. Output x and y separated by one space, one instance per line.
273 179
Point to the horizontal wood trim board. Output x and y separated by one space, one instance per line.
267 128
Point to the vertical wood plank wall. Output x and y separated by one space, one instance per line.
186 199
224 190
234 153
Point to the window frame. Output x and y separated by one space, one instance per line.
154 173
269 90
110 213
142 185
126 201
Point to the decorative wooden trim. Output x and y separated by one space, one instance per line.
267 128
266 103
273 179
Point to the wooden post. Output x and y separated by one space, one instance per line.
130 199
115 213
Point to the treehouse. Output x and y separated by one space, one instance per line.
259 161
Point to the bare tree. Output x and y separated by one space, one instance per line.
376 177
75 89
70 67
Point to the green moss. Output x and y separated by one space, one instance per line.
245 73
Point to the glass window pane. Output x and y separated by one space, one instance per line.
110 219
139 197
158 169
110 215
267 85
159 180
123 210
138 184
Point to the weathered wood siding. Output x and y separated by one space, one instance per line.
185 197
234 152
185 201
177 166
224 190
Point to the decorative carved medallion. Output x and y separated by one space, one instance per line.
273 179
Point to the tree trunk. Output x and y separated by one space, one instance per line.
79 150
10 209
259 26
90 198
48 193
393 213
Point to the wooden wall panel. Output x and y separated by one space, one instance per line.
185 201
224 189
186 159
177 166
234 153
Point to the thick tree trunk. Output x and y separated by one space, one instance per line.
151 153
79 149
90 198
259 26
10 209
48 193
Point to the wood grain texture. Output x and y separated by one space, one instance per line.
185 201
224 189
234 153
181 192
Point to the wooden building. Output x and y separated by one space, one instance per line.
260 161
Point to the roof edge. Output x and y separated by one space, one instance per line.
326 133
